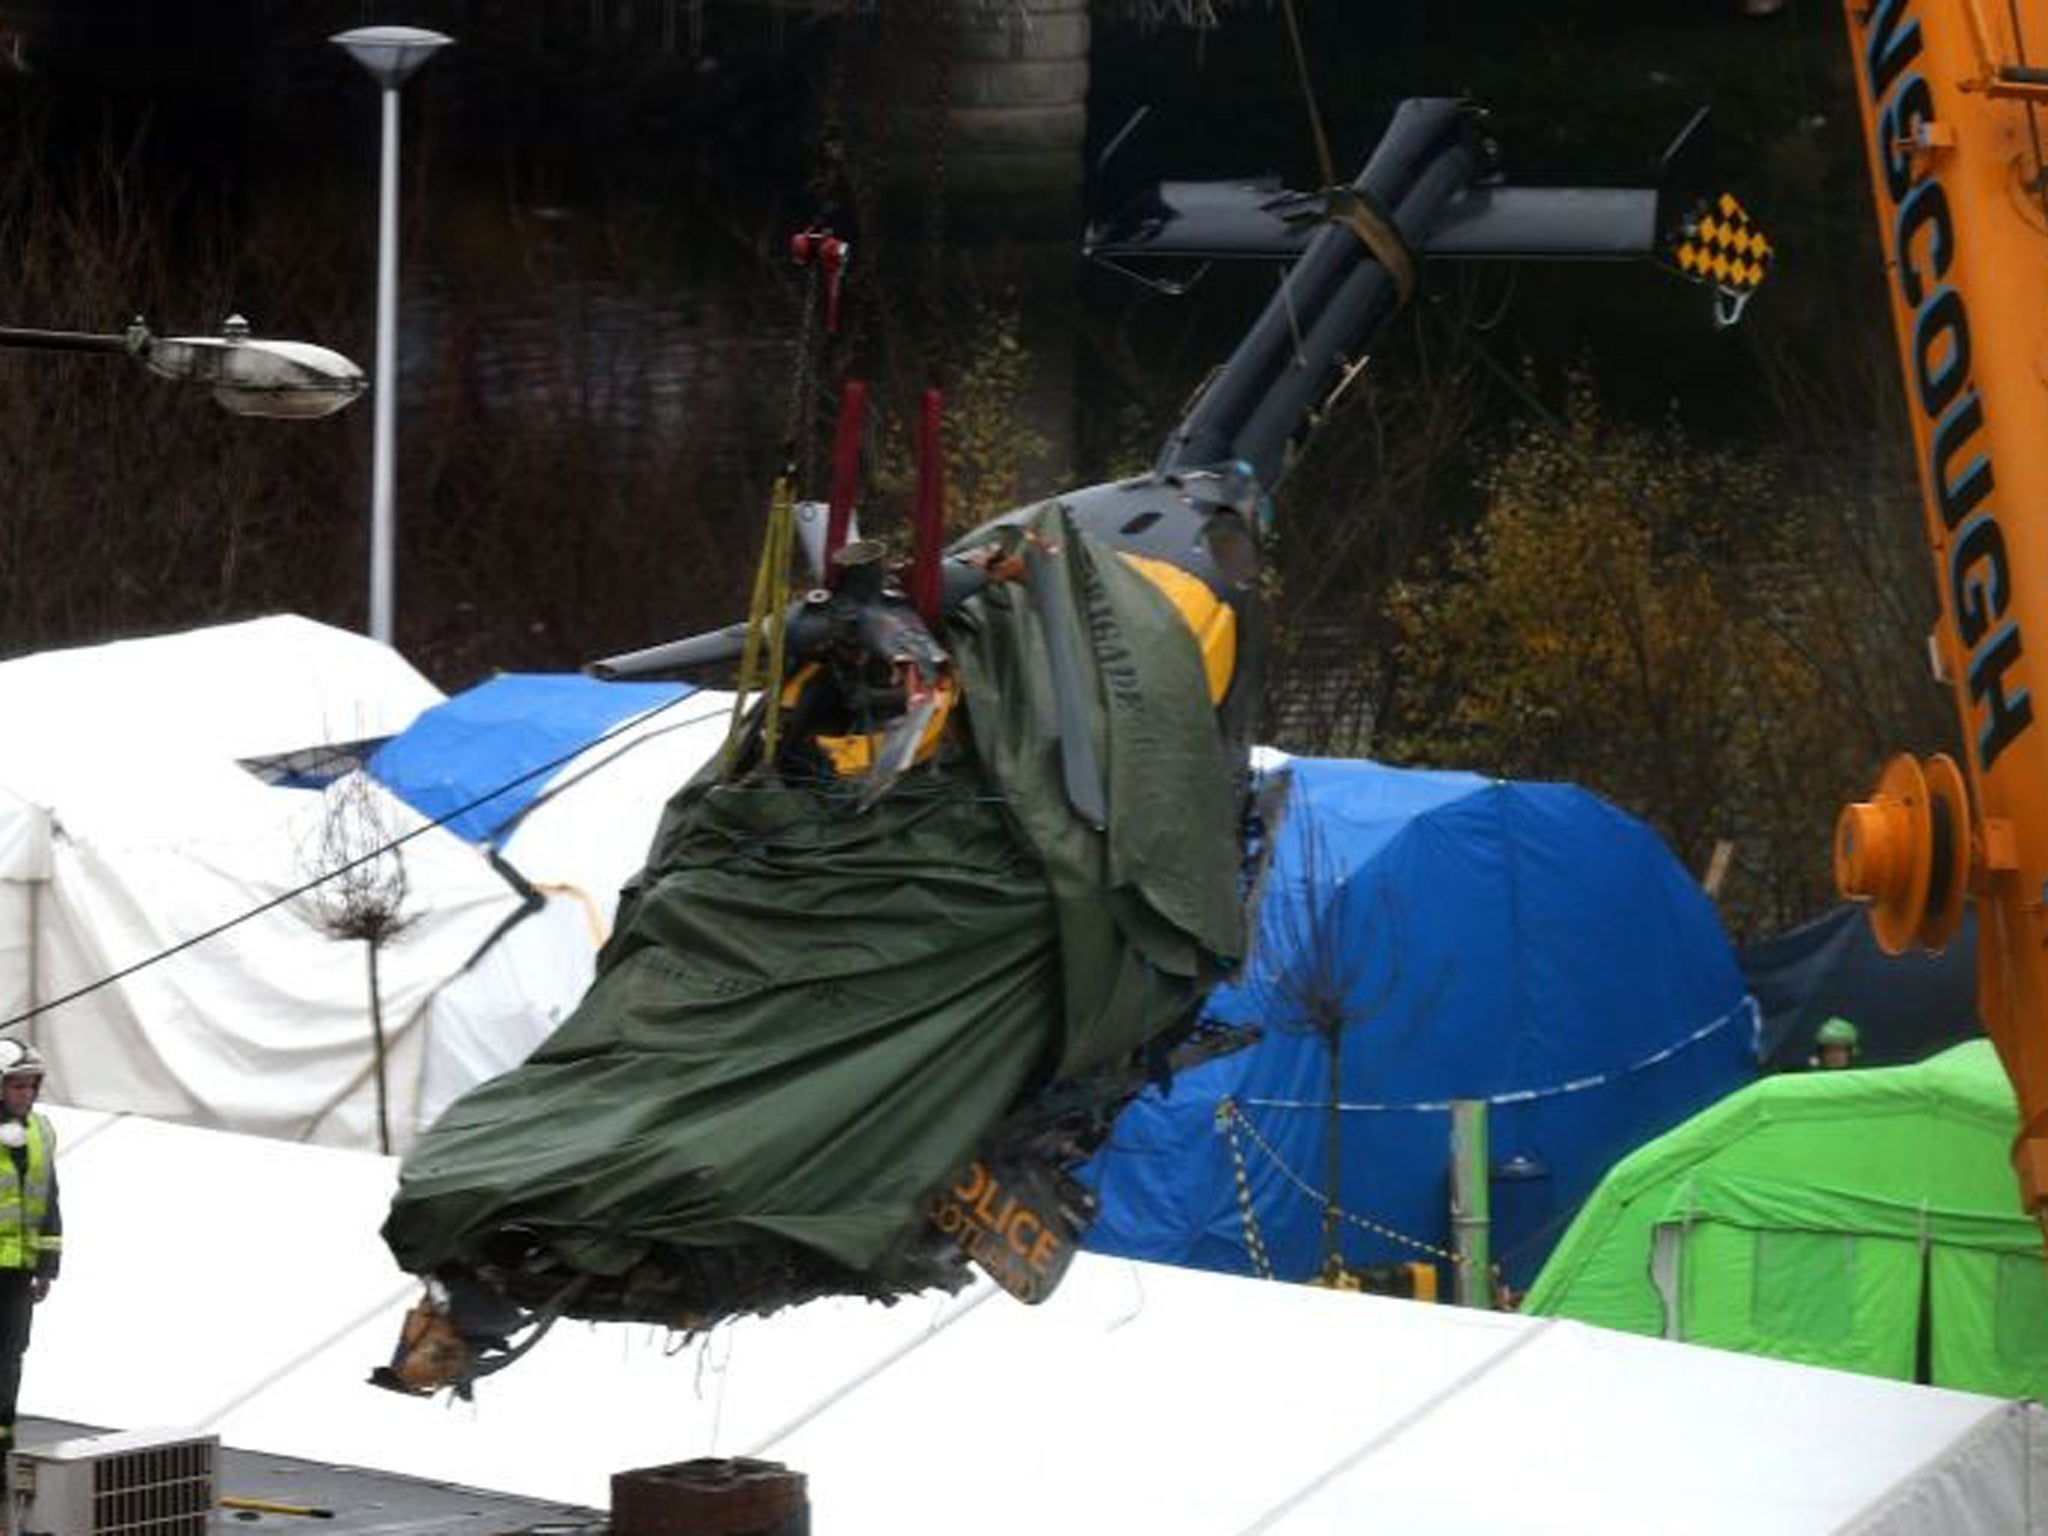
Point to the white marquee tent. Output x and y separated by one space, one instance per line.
24 870
1139 1398
579 842
590 830
584 832
145 803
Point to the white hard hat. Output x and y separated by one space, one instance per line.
20 1059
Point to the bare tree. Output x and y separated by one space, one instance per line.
1317 969
361 897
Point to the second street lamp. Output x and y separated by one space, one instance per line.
390 54
249 375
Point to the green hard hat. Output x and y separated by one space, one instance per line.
1837 1032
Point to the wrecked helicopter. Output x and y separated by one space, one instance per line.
975 855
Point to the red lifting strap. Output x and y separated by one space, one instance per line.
930 516
853 405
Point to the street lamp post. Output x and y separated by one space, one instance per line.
390 54
249 375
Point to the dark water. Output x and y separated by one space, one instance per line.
601 328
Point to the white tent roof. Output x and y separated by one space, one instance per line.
242 690
24 862
590 829
154 835
24 838
582 838
217 1283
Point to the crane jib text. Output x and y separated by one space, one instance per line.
1978 574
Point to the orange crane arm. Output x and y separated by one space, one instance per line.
1955 114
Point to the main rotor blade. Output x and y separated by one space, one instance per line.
1045 570
898 751
712 648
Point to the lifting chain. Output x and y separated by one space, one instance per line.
799 423
1308 96
768 608
935 189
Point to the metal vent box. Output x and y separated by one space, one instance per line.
132 1483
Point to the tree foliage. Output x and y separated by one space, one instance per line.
1662 623
1381 477
989 439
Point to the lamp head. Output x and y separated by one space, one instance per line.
252 375
391 54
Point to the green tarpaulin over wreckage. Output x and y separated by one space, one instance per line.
808 1019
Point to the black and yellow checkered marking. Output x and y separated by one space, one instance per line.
1721 246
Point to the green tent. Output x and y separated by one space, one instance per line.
1863 1220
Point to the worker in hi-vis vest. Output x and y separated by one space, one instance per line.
31 1226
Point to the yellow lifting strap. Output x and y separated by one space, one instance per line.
767 620
1349 207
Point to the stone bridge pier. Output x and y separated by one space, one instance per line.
1015 101
1017 91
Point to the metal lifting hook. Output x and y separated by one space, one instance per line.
1729 304
833 256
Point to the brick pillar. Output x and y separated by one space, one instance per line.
711 1496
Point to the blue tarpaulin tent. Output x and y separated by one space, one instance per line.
1524 943
1905 1007
501 731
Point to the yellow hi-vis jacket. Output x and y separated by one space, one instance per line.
26 1200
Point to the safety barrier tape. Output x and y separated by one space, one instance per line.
1229 1117
1746 1008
